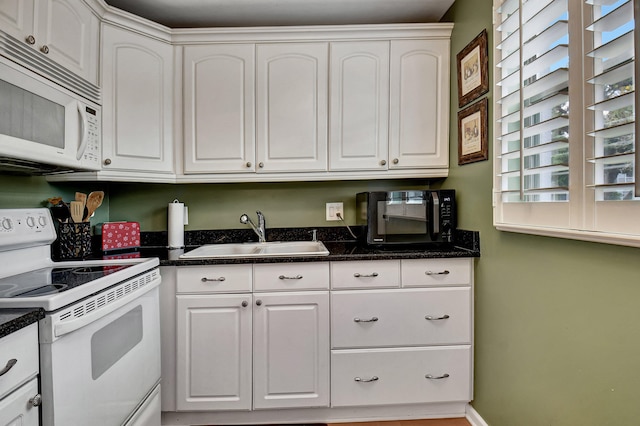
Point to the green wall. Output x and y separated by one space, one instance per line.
557 322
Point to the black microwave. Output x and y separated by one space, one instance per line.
407 217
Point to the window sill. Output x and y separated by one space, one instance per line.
573 234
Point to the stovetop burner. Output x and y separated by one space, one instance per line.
54 280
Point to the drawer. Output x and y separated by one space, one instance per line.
412 317
436 272
21 346
400 376
291 276
214 279
365 274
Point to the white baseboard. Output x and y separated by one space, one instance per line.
474 418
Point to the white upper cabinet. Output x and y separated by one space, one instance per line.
66 31
359 105
291 105
137 111
419 105
219 102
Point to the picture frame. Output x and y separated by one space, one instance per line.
473 70
473 133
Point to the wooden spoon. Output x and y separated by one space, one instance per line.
94 200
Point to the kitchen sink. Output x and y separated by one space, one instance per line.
268 249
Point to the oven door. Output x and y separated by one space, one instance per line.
99 374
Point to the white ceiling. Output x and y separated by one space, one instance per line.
241 13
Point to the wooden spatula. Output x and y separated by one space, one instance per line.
94 200
77 211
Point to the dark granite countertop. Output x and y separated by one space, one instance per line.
14 319
341 247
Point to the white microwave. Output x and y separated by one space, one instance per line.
44 127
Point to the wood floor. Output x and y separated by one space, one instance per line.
431 422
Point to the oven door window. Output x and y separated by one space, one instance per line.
113 341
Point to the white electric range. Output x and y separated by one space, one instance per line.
100 338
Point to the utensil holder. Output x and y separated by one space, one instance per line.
74 241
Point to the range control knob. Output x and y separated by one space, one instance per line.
31 222
6 224
42 221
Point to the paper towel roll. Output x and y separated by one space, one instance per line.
176 224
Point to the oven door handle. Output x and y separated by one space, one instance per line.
67 327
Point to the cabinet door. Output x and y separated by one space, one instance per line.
359 112
219 102
291 350
419 104
16 18
16 408
68 32
291 105
213 352
138 102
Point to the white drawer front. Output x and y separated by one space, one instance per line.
21 346
365 274
291 276
214 279
399 376
436 272
384 318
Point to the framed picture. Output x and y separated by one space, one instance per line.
473 133
473 70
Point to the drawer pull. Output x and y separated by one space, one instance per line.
430 318
430 377
36 401
372 319
205 279
357 275
445 272
373 379
9 366
284 277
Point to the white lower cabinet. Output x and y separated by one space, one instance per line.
19 398
322 339
250 351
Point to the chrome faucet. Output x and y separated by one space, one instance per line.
260 230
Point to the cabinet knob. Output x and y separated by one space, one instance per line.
245 303
259 302
107 161
44 49
261 164
30 39
36 401
248 164
383 162
396 161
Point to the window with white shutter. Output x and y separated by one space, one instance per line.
564 156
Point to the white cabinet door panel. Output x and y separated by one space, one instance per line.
213 352
359 111
219 103
291 350
137 110
17 18
419 104
291 105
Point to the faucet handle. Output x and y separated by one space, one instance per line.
314 235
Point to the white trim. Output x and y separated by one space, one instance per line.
474 418
575 234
